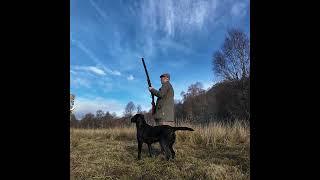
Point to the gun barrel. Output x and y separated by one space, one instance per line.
149 83
146 71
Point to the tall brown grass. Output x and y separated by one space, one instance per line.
215 151
213 134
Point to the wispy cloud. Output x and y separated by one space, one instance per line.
238 9
177 63
173 19
168 44
93 57
171 16
87 51
91 69
73 72
168 17
113 72
89 76
126 56
130 77
99 10
97 70
80 82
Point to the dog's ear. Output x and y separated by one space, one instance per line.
142 116
134 119
142 120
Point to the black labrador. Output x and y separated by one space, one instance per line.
163 134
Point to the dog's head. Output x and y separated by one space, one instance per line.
138 119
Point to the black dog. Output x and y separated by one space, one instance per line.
163 134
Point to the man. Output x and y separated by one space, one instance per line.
164 114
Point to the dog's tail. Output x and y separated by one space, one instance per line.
183 128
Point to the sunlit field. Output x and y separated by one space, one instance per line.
212 152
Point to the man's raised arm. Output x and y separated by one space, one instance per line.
163 91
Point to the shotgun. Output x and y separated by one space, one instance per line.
149 84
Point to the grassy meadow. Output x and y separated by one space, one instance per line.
216 151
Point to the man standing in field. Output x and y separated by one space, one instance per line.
164 114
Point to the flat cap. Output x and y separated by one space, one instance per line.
165 75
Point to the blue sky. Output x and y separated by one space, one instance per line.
108 39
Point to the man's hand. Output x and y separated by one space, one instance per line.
150 88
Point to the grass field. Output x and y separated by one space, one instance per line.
213 152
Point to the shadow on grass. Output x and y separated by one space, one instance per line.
133 149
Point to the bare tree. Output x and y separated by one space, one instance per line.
193 101
72 97
195 89
232 62
139 109
130 108
88 121
73 121
99 114
114 115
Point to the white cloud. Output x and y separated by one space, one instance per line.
80 82
100 11
177 63
127 57
91 69
96 70
93 57
238 9
171 16
73 72
167 43
130 77
113 72
84 105
87 51
89 76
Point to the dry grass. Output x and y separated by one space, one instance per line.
213 152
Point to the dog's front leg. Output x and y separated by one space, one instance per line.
150 149
139 149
